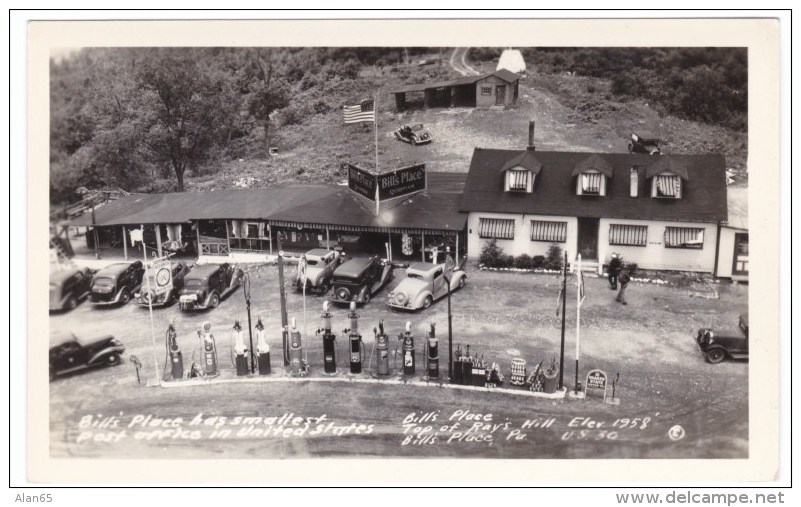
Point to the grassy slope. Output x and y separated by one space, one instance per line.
572 113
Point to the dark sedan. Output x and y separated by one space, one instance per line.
69 354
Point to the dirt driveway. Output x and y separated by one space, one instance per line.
664 381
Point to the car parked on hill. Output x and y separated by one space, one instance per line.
424 283
153 279
414 134
116 283
718 345
320 266
360 279
68 287
69 353
208 284
644 142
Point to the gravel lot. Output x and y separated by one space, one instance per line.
663 377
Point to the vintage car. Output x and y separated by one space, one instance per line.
153 280
207 284
116 283
360 279
415 134
718 345
320 266
69 353
424 283
644 142
68 287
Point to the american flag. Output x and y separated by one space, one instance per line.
364 111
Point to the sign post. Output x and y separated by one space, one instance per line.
160 270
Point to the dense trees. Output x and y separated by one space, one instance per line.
704 84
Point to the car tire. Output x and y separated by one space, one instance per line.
715 356
125 296
462 282
366 298
214 300
71 303
113 359
324 287
427 302
414 142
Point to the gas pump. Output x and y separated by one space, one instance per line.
263 348
175 356
432 346
457 366
329 342
382 350
355 339
297 365
240 350
408 350
209 350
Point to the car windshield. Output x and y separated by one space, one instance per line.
104 281
311 262
414 275
417 127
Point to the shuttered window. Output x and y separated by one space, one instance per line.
591 183
553 232
684 237
518 180
668 186
496 228
628 235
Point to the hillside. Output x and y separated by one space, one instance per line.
117 127
571 113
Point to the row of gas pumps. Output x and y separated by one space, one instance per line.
295 356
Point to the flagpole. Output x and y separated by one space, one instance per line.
564 310
375 130
578 317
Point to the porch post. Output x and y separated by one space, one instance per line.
270 231
144 247
227 238
423 246
158 238
457 248
327 239
124 243
199 248
389 235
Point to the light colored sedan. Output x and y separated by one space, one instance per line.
424 283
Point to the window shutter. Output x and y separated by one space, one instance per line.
496 228
628 235
553 232
684 237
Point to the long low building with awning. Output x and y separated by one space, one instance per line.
293 217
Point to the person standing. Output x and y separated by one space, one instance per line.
615 265
624 278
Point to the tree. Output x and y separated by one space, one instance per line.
269 91
180 108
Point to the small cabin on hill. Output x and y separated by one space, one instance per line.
497 89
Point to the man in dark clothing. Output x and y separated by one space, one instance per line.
623 278
614 270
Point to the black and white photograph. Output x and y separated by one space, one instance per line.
529 252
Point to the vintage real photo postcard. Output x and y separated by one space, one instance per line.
531 248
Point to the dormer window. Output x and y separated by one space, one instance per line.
591 174
519 181
519 172
666 185
666 176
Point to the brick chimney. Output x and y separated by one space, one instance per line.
531 146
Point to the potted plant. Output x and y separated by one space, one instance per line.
549 376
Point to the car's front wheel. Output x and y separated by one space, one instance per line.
113 359
125 296
214 300
71 303
461 282
715 356
427 302
366 297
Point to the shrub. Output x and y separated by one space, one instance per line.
491 255
631 267
508 261
553 258
537 261
523 261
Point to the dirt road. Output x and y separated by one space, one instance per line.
458 61
664 382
